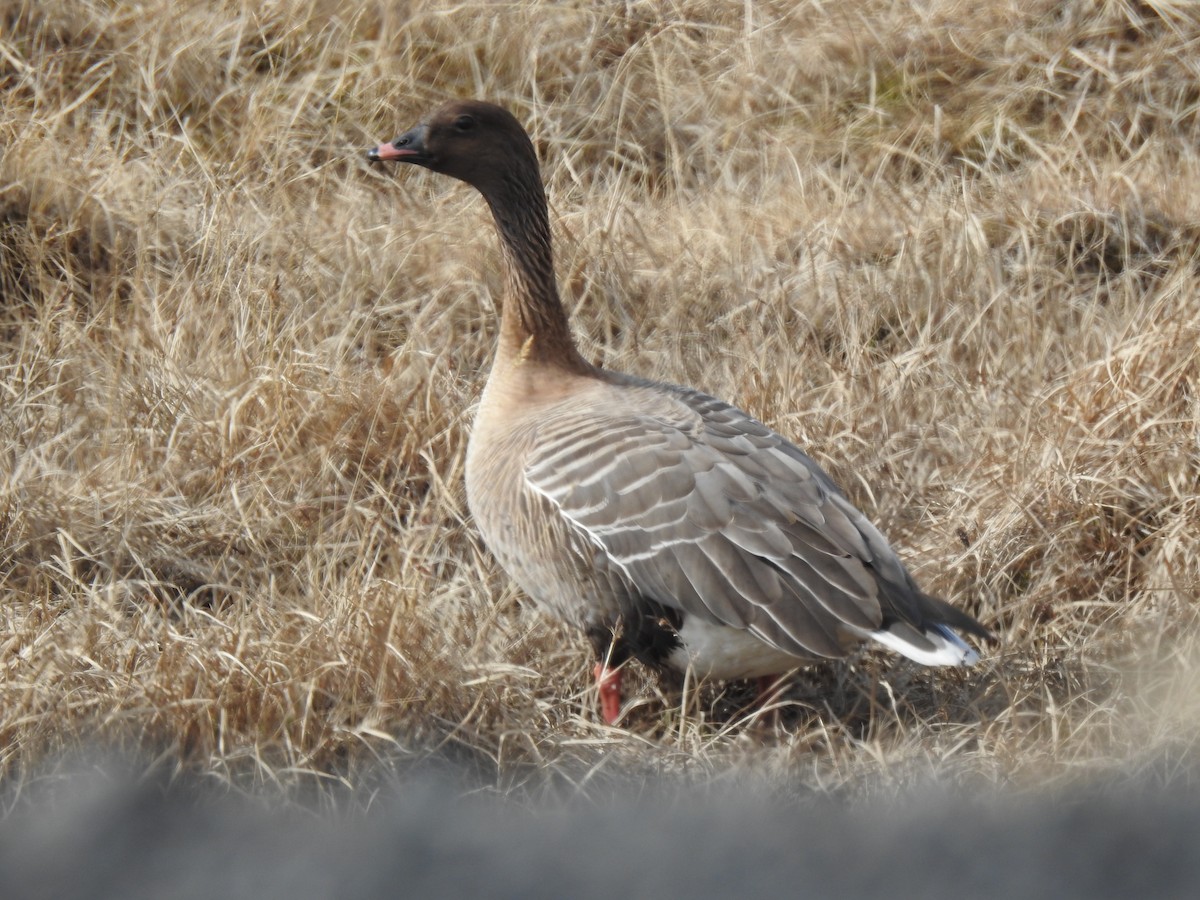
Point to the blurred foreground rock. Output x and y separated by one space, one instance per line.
104 836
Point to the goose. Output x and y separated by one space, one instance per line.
669 526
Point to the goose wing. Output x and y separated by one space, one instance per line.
704 509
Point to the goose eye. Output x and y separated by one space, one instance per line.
464 123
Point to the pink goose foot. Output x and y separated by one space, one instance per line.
608 683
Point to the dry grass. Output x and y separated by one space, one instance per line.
953 252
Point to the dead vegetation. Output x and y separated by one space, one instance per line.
953 251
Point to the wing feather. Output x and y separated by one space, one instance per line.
793 621
706 510
761 537
711 586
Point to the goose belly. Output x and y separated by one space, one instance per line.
712 650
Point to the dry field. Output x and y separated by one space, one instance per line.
952 248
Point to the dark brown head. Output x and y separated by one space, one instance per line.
476 142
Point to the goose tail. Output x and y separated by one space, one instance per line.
937 645
932 640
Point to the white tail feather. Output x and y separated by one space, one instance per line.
949 648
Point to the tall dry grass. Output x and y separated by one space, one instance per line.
951 248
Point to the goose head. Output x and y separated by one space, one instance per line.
476 142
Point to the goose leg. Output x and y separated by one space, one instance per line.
765 684
608 683
768 686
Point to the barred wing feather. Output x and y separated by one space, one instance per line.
704 509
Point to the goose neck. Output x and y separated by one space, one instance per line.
533 322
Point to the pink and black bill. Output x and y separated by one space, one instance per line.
409 147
